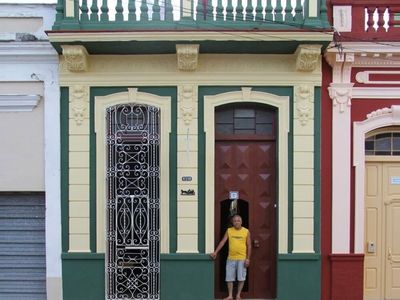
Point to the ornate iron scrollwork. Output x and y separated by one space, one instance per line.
133 202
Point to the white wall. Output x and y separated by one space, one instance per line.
22 136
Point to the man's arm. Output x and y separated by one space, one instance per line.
220 245
248 244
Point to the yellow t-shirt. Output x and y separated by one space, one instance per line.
237 243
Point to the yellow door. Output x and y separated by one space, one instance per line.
392 214
382 234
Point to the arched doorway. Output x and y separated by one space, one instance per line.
245 161
382 214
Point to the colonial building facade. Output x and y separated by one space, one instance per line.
360 210
166 112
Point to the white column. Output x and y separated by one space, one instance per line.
341 165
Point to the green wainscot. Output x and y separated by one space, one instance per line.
299 277
183 276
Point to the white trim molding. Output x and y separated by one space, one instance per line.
18 103
247 95
132 96
380 118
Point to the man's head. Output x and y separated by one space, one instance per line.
237 221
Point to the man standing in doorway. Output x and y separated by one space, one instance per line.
238 257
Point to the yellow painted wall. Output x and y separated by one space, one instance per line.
213 69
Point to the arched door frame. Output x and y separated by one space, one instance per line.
247 95
380 118
135 97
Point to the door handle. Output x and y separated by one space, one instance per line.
256 244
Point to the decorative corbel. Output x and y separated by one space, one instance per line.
341 94
304 98
307 57
79 103
187 95
187 56
76 58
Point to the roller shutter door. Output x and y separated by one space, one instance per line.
22 246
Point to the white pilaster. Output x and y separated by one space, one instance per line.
340 91
341 161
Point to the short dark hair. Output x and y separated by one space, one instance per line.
236 215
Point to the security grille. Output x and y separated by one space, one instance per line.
133 202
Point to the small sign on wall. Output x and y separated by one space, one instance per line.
395 180
186 178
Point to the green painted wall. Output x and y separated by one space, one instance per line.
183 277
299 277
187 277
83 276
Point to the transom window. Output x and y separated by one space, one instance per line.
387 143
244 119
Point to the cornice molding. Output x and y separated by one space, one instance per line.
32 52
187 56
18 103
307 57
76 58
366 54
173 35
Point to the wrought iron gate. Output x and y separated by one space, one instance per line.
133 194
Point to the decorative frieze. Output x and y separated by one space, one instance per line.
79 103
307 57
394 111
341 94
187 56
187 101
304 98
76 58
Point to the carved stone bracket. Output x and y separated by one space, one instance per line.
307 57
79 103
304 98
76 58
341 94
187 95
187 57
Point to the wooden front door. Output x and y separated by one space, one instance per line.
245 162
382 223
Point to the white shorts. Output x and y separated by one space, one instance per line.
235 269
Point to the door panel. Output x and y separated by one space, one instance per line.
382 217
392 203
249 167
373 226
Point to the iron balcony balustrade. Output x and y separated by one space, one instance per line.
222 15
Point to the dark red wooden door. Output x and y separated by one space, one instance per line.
249 167
246 162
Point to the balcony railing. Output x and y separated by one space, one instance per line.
373 20
191 14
